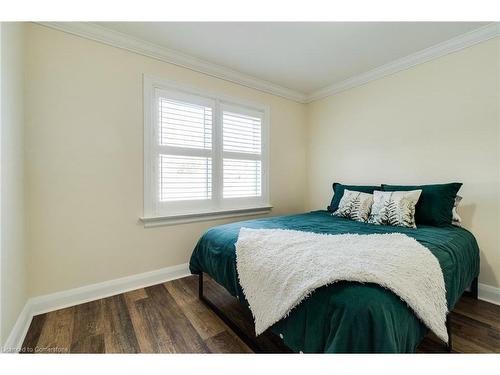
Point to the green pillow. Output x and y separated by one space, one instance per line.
338 192
435 204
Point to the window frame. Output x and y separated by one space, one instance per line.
165 213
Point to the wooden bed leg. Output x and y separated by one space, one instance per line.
474 288
449 346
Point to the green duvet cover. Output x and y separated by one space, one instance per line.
346 317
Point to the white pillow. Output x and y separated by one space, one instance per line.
457 220
355 205
394 208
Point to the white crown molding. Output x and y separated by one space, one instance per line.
55 301
127 42
482 34
116 39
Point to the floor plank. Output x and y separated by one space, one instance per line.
159 339
474 332
56 334
183 290
176 324
119 334
88 328
204 320
227 342
140 315
33 335
480 311
90 344
169 318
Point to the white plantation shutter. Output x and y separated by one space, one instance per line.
242 150
242 133
185 140
242 178
202 154
184 124
185 178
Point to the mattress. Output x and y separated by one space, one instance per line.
346 317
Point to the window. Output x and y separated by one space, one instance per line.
204 154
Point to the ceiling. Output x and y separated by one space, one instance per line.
301 56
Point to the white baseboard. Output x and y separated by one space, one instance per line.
489 293
18 332
55 301
72 297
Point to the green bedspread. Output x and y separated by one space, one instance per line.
346 316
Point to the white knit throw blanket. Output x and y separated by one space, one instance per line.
277 269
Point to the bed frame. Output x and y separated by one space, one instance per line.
250 342
236 329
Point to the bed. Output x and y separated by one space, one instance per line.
346 317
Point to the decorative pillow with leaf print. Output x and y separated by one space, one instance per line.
457 220
394 208
355 205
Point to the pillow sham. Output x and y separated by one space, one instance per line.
394 208
456 220
338 192
435 204
355 205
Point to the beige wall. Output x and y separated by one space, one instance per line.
84 152
436 122
12 245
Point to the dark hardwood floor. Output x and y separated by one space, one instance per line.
169 318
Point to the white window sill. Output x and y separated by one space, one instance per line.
150 222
